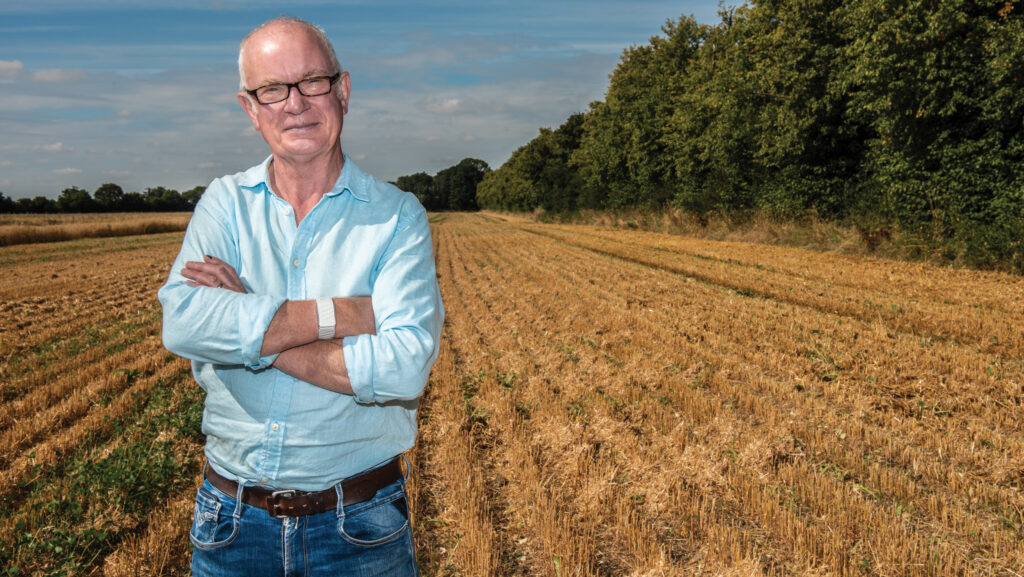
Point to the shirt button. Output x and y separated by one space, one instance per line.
296 262
264 480
287 211
275 426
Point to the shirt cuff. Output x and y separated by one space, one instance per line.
359 364
253 320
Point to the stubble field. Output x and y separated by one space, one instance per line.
606 402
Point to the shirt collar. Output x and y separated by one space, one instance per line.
352 179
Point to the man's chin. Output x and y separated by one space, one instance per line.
303 147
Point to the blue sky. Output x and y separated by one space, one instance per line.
142 93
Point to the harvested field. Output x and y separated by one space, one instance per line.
606 402
628 403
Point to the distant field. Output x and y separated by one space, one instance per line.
34 228
606 402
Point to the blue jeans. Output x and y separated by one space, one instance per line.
369 538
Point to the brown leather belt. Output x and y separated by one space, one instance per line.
294 503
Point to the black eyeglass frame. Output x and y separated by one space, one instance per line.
296 85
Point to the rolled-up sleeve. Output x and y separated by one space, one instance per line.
210 324
394 364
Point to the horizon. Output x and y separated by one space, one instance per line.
144 96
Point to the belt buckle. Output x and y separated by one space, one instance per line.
273 506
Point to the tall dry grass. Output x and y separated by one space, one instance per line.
34 228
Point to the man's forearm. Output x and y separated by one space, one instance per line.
321 363
295 323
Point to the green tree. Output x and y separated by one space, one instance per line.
38 204
711 138
506 190
134 202
543 167
1003 113
109 196
159 198
191 196
807 150
918 76
456 186
421 185
75 199
7 204
623 145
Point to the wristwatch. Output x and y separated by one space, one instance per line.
325 318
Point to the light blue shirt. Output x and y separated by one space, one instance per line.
364 237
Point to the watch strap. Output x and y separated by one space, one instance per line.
325 318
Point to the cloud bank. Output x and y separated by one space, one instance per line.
145 96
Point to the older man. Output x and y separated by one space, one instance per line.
306 297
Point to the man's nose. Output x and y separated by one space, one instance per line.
296 101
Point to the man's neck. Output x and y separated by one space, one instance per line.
303 183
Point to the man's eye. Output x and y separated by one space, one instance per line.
271 90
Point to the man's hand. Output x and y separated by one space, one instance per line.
212 272
321 363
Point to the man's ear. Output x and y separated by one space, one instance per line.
344 89
250 109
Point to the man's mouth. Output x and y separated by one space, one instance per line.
301 126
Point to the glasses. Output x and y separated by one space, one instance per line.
315 86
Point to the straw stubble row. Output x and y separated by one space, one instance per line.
841 487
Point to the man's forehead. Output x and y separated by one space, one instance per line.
287 52
285 38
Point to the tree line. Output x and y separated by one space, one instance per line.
884 113
454 188
108 197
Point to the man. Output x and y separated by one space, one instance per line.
305 295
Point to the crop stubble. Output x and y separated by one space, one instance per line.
605 402
626 390
92 407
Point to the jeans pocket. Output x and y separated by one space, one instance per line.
380 520
213 524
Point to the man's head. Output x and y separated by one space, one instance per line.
287 51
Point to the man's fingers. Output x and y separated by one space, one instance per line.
213 272
200 278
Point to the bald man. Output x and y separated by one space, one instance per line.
305 295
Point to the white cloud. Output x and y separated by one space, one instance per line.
10 68
444 105
57 75
55 147
65 171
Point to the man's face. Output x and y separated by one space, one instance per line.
299 127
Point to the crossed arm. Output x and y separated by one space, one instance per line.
293 331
